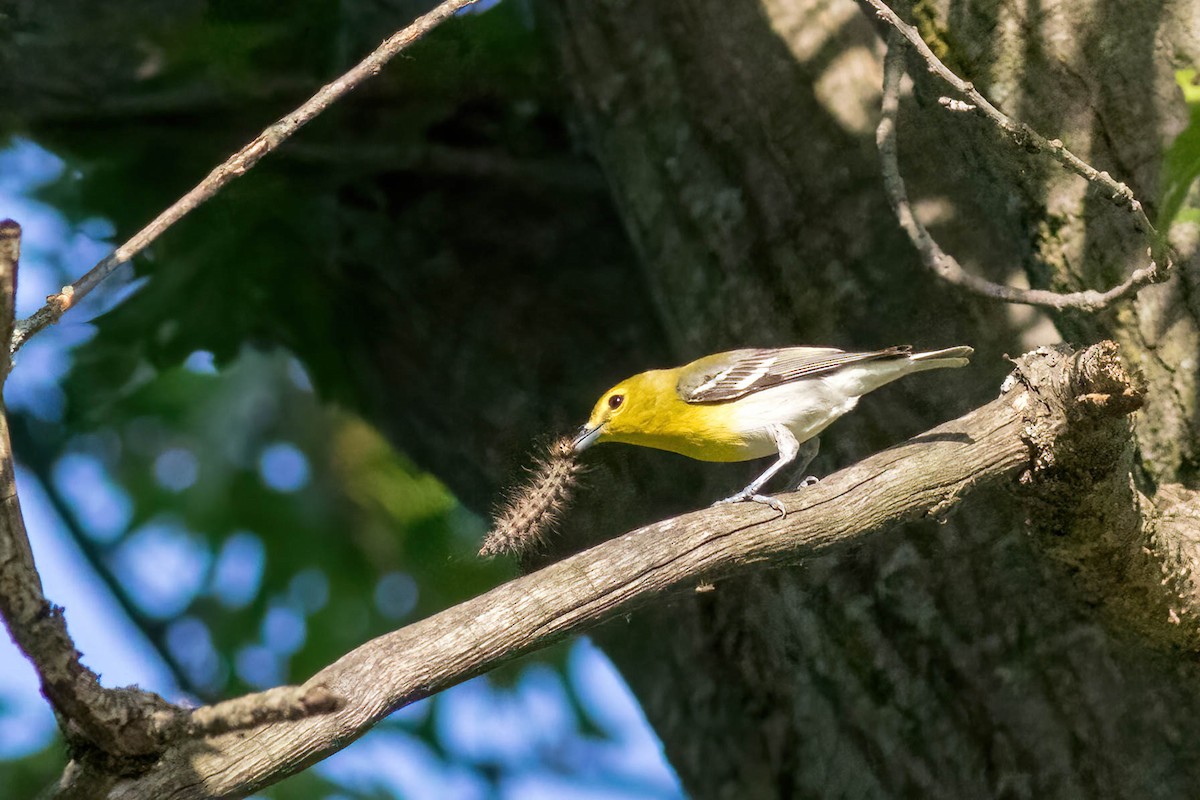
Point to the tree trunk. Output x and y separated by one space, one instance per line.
953 660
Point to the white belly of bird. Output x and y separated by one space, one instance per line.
805 407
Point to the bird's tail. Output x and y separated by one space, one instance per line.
937 359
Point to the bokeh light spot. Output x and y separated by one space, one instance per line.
395 764
97 228
396 595
191 644
259 667
413 714
163 566
283 467
176 469
309 590
36 384
201 362
102 507
239 570
284 630
299 375
25 724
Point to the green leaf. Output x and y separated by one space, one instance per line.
1181 163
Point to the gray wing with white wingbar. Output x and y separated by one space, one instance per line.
727 376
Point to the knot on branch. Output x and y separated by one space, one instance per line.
1101 384
138 727
1076 412
1132 557
125 730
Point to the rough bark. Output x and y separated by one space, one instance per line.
1099 75
951 663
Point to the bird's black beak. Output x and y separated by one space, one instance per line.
586 437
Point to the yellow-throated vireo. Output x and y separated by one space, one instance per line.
747 404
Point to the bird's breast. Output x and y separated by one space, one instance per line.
703 432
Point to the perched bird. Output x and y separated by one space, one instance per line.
747 404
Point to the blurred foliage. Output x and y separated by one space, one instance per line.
253 526
1181 162
422 212
270 252
353 525
29 776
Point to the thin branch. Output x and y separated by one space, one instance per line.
39 463
1016 436
169 723
1026 137
10 256
234 167
120 722
37 627
931 253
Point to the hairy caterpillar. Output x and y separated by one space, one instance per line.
533 508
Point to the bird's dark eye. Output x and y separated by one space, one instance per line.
615 401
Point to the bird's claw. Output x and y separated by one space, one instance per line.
811 480
773 502
747 497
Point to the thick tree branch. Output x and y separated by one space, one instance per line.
1015 437
1134 556
1174 541
944 265
234 167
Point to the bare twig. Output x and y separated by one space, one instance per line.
931 253
1025 136
39 462
927 475
120 722
10 255
235 166
37 627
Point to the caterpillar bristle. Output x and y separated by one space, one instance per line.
532 509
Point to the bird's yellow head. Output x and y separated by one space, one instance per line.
627 408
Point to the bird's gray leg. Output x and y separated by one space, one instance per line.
808 451
788 448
